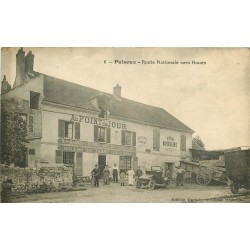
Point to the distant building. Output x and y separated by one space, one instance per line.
199 154
73 124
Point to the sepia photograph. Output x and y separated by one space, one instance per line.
125 125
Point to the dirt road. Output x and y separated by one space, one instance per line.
114 193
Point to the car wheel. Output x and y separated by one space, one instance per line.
234 188
167 183
138 184
151 184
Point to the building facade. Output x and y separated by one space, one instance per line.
76 125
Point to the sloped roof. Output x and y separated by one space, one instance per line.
196 146
75 95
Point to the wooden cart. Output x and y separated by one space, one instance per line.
206 171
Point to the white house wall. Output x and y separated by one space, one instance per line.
144 139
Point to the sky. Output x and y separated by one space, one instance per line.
212 98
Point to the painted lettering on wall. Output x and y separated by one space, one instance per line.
98 121
170 142
142 140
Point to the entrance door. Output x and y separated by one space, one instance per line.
127 162
101 164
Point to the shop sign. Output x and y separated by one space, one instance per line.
95 147
71 142
170 142
98 121
142 140
95 150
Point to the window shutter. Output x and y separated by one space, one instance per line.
59 156
31 124
79 165
61 128
77 130
108 135
134 138
95 133
156 138
183 143
123 137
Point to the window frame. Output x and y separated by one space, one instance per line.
67 129
107 134
130 138
68 157
102 131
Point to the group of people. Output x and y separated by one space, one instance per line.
107 173
95 173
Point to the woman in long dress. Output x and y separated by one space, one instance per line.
131 175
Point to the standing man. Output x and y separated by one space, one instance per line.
95 174
115 173
138 172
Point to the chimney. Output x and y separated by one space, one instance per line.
20 68
117 91
29 62
5 87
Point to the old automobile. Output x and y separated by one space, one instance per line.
156 177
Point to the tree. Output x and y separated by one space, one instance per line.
13 148
199 141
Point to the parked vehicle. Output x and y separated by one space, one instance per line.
237 163
156 177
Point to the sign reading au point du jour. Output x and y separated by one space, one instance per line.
98 121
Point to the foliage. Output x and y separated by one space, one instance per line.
13 135
199 141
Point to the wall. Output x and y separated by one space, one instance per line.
45 179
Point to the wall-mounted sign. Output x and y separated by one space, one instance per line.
142 140
95 150
170 142
98 121
95 147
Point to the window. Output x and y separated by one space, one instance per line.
128 138
68 157
32 152
68 129
65 157
31 124
183 143
34 100
102 134
156 139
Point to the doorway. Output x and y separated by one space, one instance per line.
101 164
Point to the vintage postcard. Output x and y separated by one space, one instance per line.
125 125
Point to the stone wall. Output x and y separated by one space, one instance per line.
28 181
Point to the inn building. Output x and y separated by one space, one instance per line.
72 124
